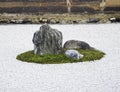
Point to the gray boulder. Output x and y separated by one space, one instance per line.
93 20
47 40
73 54
75 44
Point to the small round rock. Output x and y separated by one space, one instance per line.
73 54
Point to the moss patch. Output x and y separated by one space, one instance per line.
89 55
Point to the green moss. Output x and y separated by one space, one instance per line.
89 55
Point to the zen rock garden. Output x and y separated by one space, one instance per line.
49 41
48 49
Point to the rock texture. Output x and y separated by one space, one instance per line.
75 44
93 20
47 40
73 54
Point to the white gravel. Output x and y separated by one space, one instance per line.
99 76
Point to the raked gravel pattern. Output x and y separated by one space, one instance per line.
98 76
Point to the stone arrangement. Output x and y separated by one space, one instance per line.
49 41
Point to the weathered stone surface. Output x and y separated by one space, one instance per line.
47 40
75 44
113 19
93 20
63 22
52 21
26 21
73 54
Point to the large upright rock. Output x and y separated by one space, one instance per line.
47 40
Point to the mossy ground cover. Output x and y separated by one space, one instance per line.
89 55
